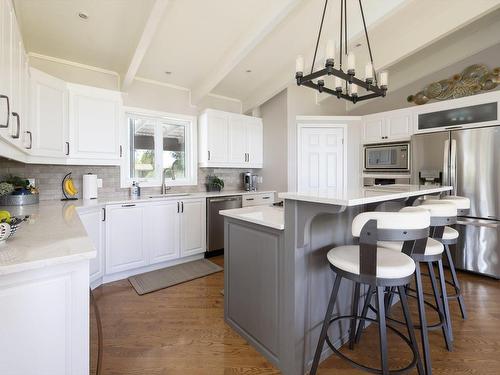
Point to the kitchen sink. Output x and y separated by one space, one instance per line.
167 195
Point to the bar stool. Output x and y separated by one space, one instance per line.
449 238
377 267
440 214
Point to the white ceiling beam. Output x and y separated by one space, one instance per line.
265 25
150 28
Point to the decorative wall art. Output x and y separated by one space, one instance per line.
470 81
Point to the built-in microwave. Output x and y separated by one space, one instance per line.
389 157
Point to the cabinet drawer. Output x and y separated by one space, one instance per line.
257 199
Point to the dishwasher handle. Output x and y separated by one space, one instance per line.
231 199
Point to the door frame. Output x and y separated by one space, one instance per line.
304 122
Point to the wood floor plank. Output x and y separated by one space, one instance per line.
181 330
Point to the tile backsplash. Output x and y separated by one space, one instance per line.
48 178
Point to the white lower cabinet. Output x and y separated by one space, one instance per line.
148 233
92 220
193 227
162 231
125 240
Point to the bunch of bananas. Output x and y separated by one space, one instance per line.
69 187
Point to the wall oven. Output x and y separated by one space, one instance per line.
389 157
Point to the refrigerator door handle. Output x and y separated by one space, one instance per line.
446 163
453 166
479 222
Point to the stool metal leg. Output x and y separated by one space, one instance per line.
409 326
354 312
382 329
440 307
456 283
364 313
423 320
444 297
326 324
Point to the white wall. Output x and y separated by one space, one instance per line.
139 94
274 117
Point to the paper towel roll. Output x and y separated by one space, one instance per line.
89 186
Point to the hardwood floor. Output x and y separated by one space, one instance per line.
181 330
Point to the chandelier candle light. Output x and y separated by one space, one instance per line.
346 82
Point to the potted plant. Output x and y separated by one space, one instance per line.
215 183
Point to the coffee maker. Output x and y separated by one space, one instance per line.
250 181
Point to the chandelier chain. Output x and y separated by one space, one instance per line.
368 41
319 35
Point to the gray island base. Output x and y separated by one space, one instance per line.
277 278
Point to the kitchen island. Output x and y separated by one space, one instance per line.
277 278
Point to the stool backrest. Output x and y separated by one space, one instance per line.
412 227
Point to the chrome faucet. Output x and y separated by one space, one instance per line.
164 187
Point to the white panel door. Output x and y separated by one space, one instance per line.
94 123
92 221
217 137
125 242
49 115
162 231
238 140
399 126
255 143
321 161
193 223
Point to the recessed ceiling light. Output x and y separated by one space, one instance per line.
168 72
249 71
83 15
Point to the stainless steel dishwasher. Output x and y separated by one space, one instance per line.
215 222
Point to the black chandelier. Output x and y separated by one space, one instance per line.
370 82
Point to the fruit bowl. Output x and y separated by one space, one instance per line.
7 230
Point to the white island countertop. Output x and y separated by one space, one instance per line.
363 195
52 235
268 216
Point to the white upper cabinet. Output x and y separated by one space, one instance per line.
5 64
49 115
230 140
389 126
94 123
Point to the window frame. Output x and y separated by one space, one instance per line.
191 148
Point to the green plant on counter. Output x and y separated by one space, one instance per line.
17 181
6 188
215 183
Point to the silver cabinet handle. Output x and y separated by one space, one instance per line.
208 155
18 122
6 125
128 205
266 197
121 151
249 199
182 207
31 139
178 209
67 148
104 214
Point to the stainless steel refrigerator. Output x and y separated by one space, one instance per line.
468 160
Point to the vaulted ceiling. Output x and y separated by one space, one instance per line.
243 49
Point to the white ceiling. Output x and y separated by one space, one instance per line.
106 40
209 45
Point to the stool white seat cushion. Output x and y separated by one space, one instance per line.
418 219
450 233
462 203
390 264
438 208
433 247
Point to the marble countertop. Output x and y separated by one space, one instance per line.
158 198
52 235
268 216
363 195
